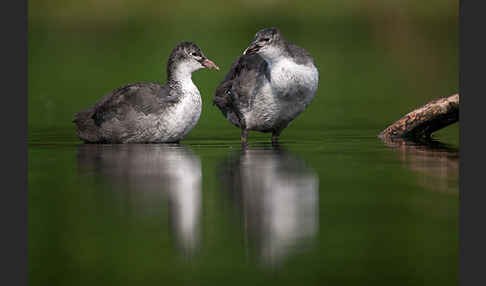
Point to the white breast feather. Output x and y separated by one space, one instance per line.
291 89
185 115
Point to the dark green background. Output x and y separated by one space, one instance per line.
376 61
385 216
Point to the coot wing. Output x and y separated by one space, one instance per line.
146 98
240 85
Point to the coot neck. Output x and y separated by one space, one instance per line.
179 75
275 55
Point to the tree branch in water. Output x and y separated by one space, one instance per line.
423 121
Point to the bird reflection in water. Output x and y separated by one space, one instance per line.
152 175
278 199
438 163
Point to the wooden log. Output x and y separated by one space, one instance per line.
423 121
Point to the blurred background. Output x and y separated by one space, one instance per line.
377 59
335 206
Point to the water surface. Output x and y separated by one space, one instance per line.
341 207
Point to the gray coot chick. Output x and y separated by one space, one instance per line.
268 86
147 112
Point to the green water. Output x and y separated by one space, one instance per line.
332 205
347 209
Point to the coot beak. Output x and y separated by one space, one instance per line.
252 49
210 64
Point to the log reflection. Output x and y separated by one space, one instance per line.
277 196
436 162
149 178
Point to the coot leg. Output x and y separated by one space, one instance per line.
244 137
275 135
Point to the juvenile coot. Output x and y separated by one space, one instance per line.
147 112
268 86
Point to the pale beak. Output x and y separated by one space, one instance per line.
252 49
210 64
